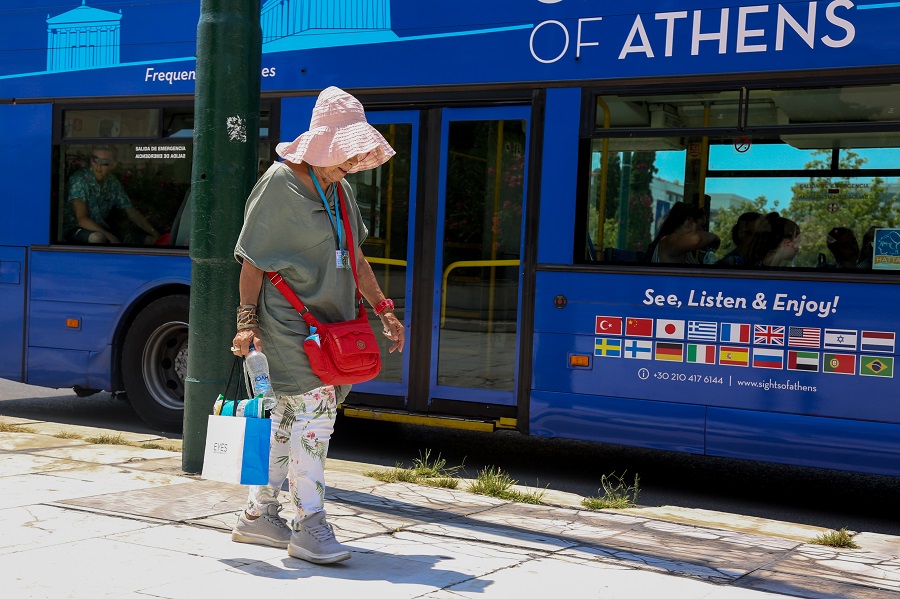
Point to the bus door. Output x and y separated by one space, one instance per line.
385 196
478 247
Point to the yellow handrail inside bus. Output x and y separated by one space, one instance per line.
386 261
462 264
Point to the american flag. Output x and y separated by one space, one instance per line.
804 336
766 334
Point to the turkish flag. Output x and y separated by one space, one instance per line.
608 325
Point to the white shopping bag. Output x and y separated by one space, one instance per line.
237 450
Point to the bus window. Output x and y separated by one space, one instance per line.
633 185
823 194
669 111
833 195
129 193
126 123
123 176
848 104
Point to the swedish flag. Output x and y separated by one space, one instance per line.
607 347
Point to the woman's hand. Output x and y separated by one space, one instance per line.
393 330
242 340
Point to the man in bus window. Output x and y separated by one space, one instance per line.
93 192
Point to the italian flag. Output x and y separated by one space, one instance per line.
701 354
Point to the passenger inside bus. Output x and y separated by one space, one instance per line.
681 236
867 248
843 246
775 242
93 193
741 234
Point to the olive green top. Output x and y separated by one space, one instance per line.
286 229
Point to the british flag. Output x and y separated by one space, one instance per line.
766 334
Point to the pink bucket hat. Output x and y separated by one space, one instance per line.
337 132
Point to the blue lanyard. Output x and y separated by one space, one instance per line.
337 210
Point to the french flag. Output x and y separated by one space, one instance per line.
735 333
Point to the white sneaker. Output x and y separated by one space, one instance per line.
315 542
269 529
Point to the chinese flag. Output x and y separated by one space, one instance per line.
639 327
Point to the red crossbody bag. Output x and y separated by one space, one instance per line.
347 352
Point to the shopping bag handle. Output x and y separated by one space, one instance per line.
238 380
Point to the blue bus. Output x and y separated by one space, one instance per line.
554 159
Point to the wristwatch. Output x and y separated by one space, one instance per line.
385 304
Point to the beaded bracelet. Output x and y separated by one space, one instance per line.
247 317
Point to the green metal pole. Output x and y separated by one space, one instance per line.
226 149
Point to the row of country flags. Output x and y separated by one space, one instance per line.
736 355
757 334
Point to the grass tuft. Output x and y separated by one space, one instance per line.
424 471
443 483
158 446
6 427
396 474
493 482
434 472
67 435
425 468
616 493
837 538
108 440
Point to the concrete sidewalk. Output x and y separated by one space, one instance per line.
79 519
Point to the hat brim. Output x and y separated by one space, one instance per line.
330 146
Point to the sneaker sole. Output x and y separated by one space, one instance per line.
331 558
239 537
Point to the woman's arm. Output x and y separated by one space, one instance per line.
369 288
678 244
250 284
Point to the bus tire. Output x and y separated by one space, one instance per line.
154 362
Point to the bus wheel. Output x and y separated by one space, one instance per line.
154 362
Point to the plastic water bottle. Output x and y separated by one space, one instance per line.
314 336
258 369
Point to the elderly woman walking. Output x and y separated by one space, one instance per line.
293 226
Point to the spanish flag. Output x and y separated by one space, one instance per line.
730 355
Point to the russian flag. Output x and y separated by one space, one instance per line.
768 358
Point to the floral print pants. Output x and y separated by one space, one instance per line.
301 429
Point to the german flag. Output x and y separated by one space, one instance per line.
670 352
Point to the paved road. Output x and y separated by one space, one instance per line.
800 495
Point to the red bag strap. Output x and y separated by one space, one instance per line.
291 297
289 294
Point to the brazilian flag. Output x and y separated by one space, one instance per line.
876 366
